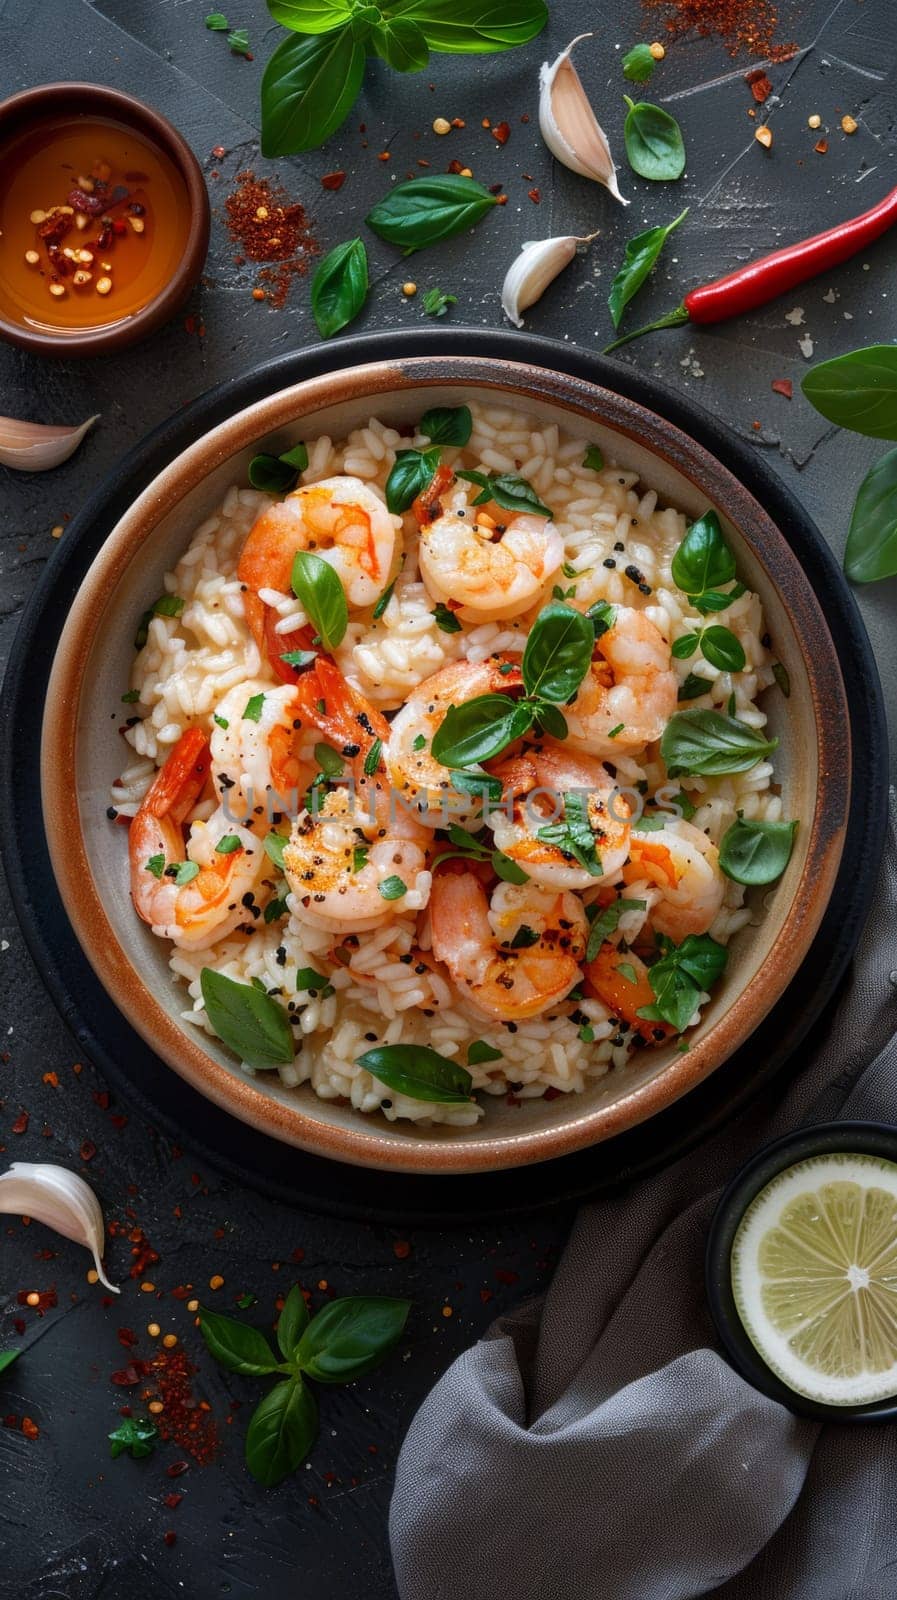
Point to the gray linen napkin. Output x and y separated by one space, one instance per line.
595 1446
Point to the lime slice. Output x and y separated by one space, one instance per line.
814 1275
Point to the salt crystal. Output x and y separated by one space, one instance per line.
806 347
795 317
830 297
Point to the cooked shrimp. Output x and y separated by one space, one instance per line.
474 935
353 866
341 520
413 771
226 892
494 563
555 790
340 857
684 867
255 766
630 692
620 980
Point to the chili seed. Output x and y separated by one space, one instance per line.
815 121
153 1330
849 124
258 294
148 1288
657 51
408 289
57 289
155 1406
32 1299
137 223
216 1282
170 1340
32 257
192 1305
93 1276
440 125
104 285
763 135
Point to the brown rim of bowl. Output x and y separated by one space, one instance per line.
48 98
575 1129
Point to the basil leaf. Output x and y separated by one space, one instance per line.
480 729
308 978
445 619
282 1430
436 302
322 596
470 27
216 22
254 707
857 391
424 211
601 615
447 424
557 654
250 1023
780 673
309 87
702 958
551 720
479 1052
227 844
156 864
7 1357
639 64
703 560
713 600
871 551
708 743
292 1322
350 1337
412 471
273 846
722 649
383 601
372 759
593 458
607 922
694 686
573 835
185 872
400 43
684 647
135 1436
310 16
506 869
638 259
679 977
478 783
654 144
415 1070
756 852
508 491
236 1346
238 39
339 287
278 474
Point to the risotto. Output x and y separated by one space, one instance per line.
447 771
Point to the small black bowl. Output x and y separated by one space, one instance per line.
821 1138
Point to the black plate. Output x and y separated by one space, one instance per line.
819 1139
170 1104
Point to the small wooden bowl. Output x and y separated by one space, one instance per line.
82 754
95 100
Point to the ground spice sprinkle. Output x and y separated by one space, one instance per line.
741 24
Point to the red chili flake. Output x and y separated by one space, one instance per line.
298 1254
127 1337
330 1478
401 1249
19 1324
422 163
333 180
218 151
782 386
173 1501
501 132
101 1098
169 1536
551 1093
455 166
30 1429
486 1295
821 146
21 1123
525 117
501 200
502 1275
128 1377
144 1255
88 1150
52 1078
184 1420
177 1469
279 237
10 1420
535 195
117 1120
741 24
756 426
759 85
182 1292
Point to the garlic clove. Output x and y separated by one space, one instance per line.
38 446
537 265
568 123
59 1198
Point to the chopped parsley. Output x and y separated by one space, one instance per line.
253 712
220 722
227 845
384 600
419 742
392 888
436 302
372 759
156 865
445 619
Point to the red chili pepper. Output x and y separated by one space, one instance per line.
760 281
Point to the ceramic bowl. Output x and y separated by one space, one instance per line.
82 754
51 100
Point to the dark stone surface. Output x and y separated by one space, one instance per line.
75 1523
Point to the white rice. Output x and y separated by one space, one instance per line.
191 660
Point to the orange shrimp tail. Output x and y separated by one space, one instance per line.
426 506
178 786
347 718
651 861
604 980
